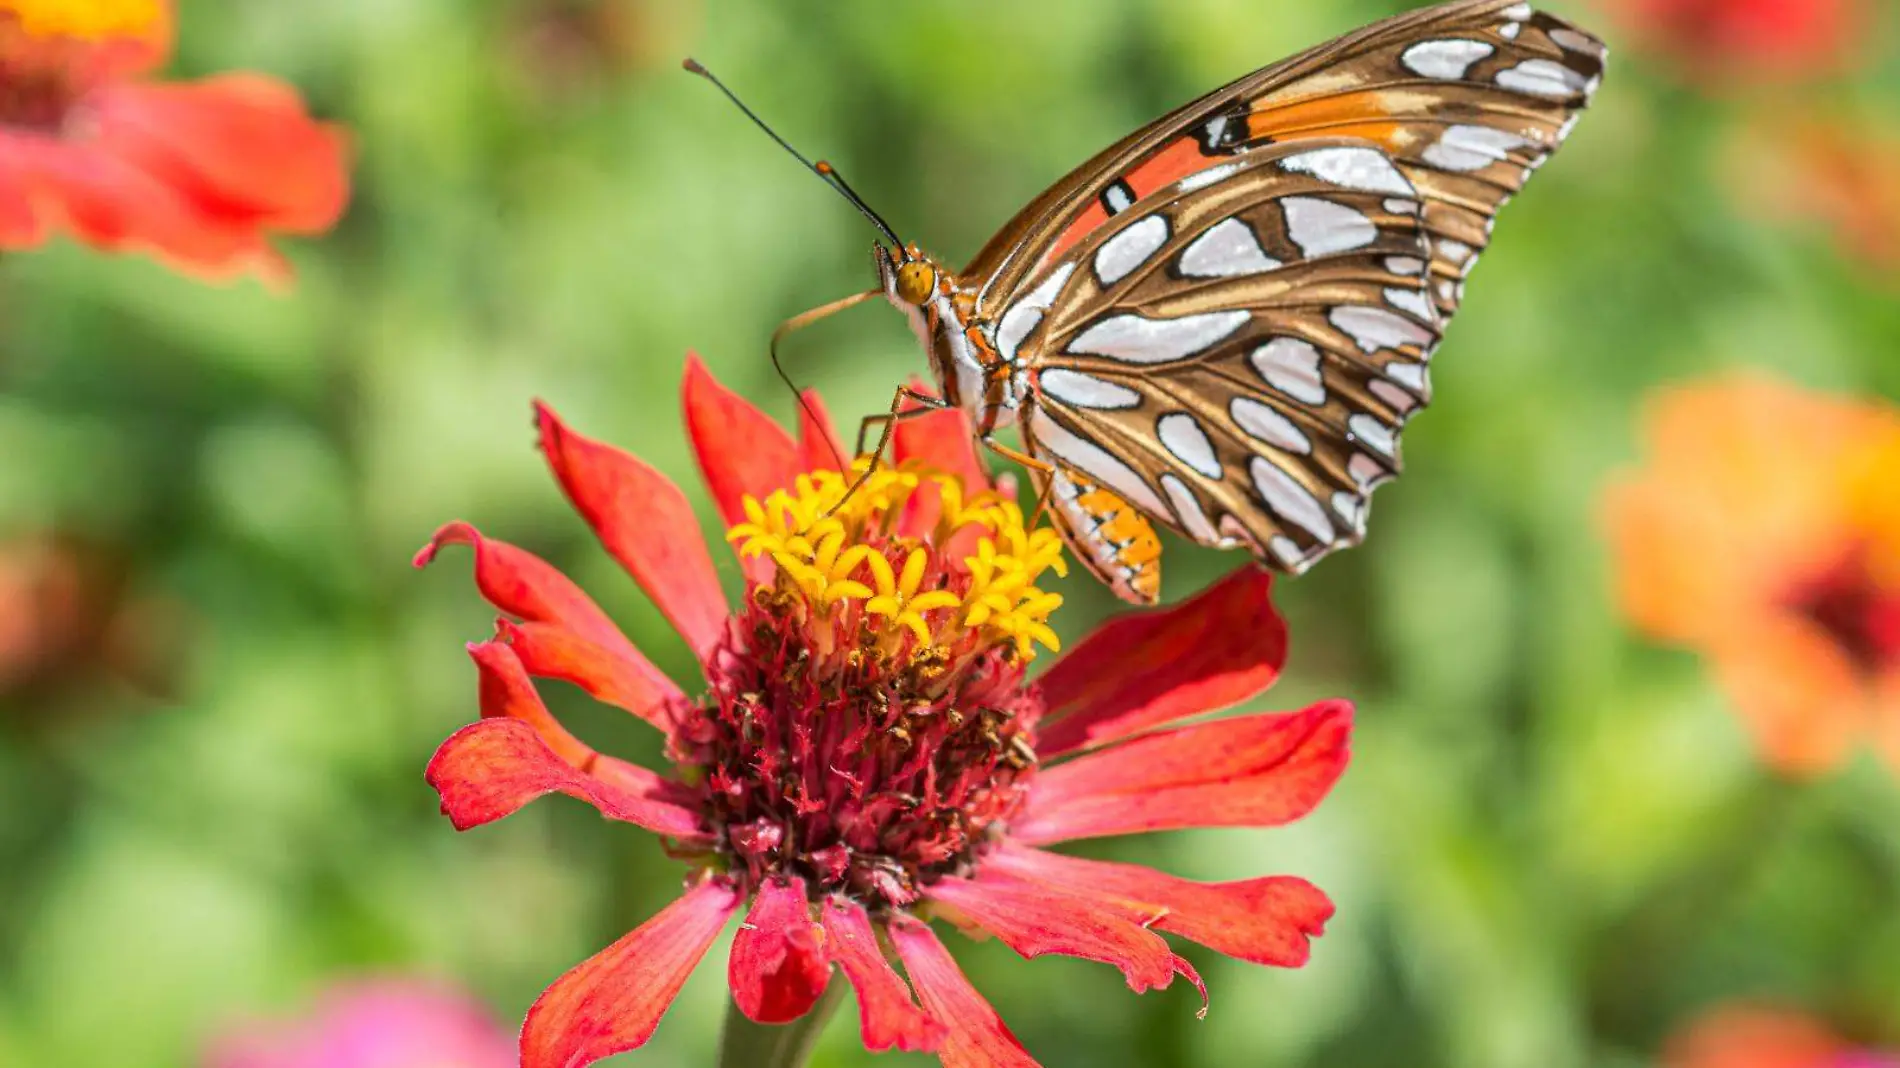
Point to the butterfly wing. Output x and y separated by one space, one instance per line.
1347 191
1468 98
1236 359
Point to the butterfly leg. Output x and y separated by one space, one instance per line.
898 413
1042 467
888 421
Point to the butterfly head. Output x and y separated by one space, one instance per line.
907 275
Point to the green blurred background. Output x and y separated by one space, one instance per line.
1554 843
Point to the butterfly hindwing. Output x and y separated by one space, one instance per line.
1236 357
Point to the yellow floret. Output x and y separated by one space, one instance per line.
898 600
91 20
834 538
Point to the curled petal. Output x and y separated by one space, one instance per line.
490 769
1269 920
612 1002
778 968
888 1015
974 1037
1249 771
818 446
646 524
508 692
554 652
1035 919
1146 669
741 451
527 587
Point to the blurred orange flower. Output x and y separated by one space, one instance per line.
197 173
1756 1036
1765 534
1726 43
1842 175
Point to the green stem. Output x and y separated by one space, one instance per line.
752 1045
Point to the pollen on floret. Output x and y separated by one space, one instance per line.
91 20
850 543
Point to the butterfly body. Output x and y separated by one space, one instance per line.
1222 323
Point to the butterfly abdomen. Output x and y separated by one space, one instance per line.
1110 536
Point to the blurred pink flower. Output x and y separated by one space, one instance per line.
388 1023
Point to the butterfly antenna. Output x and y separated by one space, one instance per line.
825 171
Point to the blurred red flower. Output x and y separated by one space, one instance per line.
1728 43
1760 1036
1842 176
867 752
387 1023
197 173
1765 534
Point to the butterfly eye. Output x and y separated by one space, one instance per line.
915 281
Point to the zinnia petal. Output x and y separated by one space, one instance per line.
527 587
507 692
1269 920
550 651
1035 919
239 146
1214 650
741 451
975 1037
201 172
888 1015
646 524
612 1001
1796 689
489 769
778 968
1250 771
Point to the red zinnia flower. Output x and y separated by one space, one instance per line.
867 752
1765 534
1739 42
1760 1036
197 173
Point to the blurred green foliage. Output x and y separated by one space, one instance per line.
1553 844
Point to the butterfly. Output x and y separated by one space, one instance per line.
1222 322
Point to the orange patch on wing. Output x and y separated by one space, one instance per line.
1138 549
1364 115
1176 160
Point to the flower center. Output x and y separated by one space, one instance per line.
868 724
87 20
1859 611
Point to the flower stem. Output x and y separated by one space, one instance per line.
745 1044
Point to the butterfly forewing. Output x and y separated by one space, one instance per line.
1468 97
1229 314
1235 359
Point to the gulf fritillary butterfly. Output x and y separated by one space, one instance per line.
1222 322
